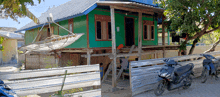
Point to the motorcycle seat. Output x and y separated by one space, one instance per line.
181 70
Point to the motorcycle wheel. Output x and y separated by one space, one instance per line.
160 88
188 82
205 74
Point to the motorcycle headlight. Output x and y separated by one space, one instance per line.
163 74
214 61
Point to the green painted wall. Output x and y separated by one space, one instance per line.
79 26
30 35
120 36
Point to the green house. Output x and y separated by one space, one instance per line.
93 18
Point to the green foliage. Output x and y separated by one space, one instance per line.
1 41
69 63
15 8
49 65
194 17
70 91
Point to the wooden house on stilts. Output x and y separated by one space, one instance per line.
106 24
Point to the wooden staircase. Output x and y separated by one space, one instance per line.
118 71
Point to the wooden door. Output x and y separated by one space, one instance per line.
75 59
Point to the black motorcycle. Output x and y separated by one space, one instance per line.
210 65
172 78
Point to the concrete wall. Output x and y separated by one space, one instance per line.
38 61
10 54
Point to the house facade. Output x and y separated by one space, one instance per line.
9 54
93 18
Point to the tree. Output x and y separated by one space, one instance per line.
16 8
193 17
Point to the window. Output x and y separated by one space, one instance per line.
109 30
99 30
148 30
103 28
49 31
70 25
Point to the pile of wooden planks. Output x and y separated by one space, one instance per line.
29 82
144 73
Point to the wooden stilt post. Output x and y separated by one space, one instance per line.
139 35
88 57
113 48
163 36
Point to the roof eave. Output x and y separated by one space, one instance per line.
85 12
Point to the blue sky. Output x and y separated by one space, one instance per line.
36 10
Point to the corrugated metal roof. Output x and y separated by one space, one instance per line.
65 11
71 9
10 35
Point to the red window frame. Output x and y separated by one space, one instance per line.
148 23
104 22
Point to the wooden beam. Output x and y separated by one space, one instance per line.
95 55
139 34
88 58
77 51
88 50
87 21
163 36
136 54
113 47
133 10
123 55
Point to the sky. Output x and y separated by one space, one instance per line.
36 10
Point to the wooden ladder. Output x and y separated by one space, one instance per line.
123 66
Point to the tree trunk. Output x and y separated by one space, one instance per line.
213 47
194 45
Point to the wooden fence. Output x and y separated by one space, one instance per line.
144 73
41 81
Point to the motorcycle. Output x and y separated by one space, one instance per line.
5 90
171 78
210 65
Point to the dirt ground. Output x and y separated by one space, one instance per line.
209 89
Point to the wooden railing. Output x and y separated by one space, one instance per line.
40 81
144 73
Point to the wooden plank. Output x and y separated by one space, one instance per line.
60 68
46 78
113 47
55 88
139 35
160 61
47 72
133 9
70 79
107 72
122 55
143 89
91 93
88 58
144 78
125 63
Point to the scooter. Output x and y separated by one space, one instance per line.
5 90
171 78
210 65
